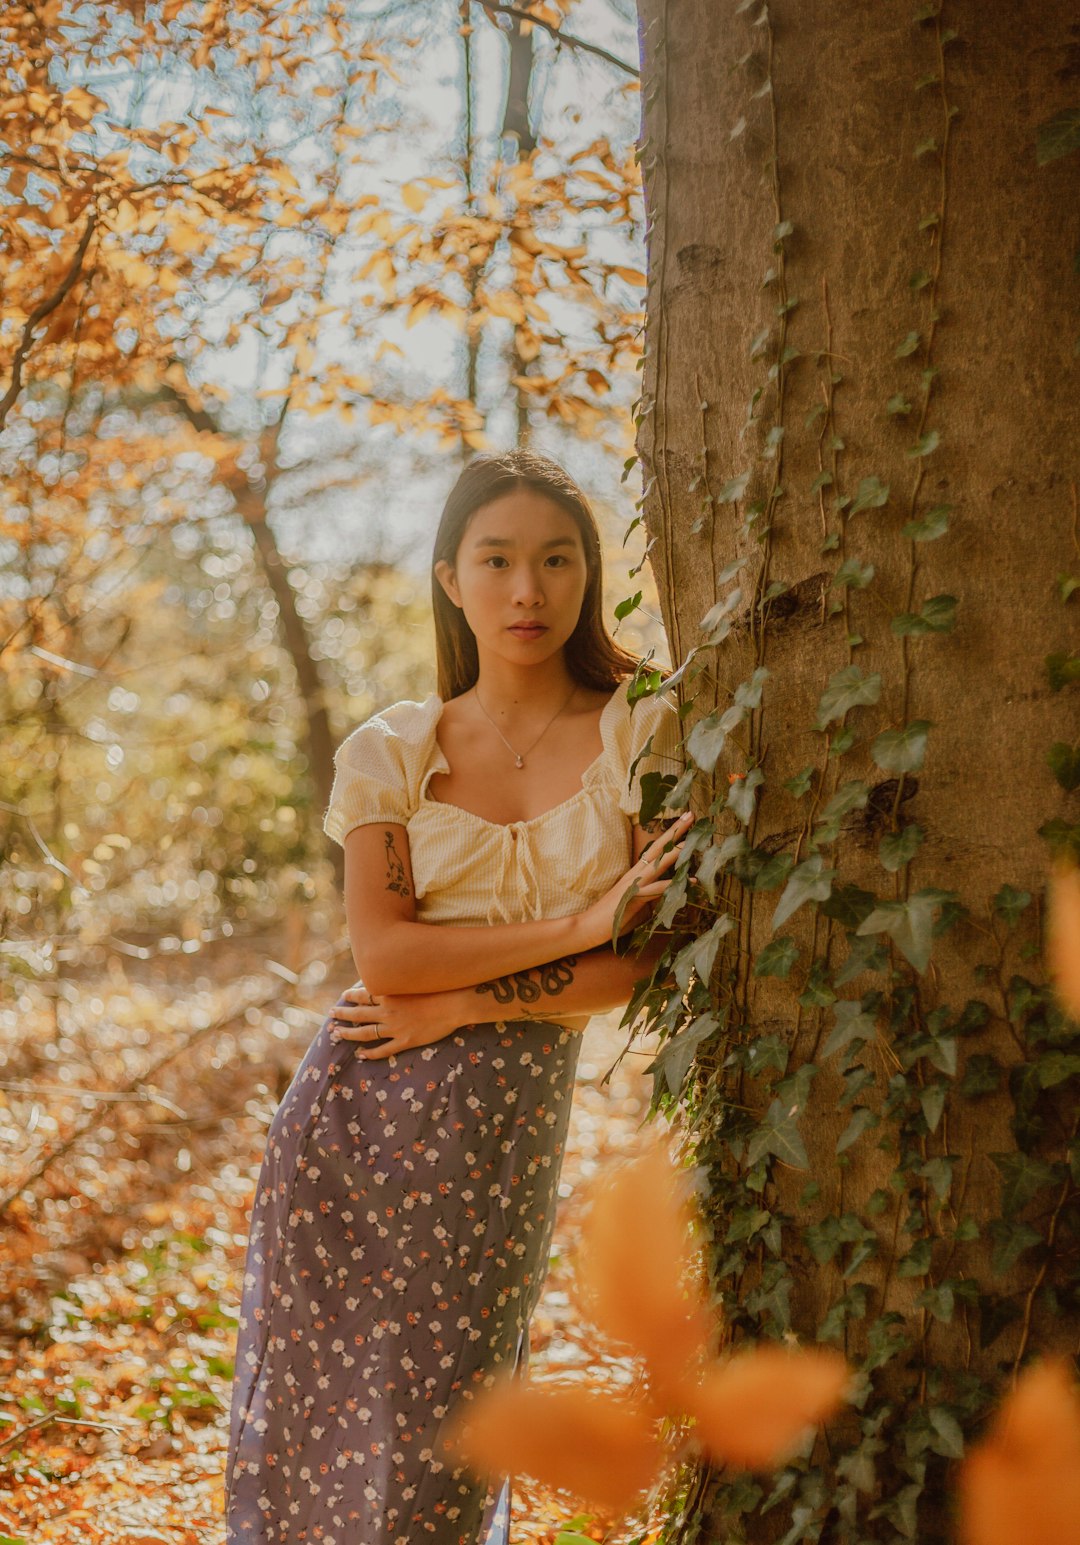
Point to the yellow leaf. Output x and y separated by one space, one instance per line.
637 1268
414 197
1021 1485
1063 936
752 1409
602 1447
631 275
125 217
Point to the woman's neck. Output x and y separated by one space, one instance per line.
505 688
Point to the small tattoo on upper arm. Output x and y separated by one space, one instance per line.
395 868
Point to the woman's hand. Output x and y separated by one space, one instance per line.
653 874
395 1022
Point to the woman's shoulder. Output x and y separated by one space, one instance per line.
629 719
641 736
399 730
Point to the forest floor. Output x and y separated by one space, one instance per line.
126 1221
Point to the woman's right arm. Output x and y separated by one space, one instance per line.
394 953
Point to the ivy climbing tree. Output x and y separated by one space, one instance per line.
858 395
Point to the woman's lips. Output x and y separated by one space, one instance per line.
529 629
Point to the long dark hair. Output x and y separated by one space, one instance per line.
592 655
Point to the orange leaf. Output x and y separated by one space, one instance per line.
636 1267
752 1409
1063 936
601 1447
1021 1484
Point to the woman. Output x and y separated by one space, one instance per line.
403 1215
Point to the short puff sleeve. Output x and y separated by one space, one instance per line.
651 722
377 768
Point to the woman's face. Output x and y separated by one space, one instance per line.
519 576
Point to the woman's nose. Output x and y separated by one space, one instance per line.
528 590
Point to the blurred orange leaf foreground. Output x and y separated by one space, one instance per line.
637 1272
1063 936
1022 1483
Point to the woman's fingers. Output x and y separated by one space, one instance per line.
659 851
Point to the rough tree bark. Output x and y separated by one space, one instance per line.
926 286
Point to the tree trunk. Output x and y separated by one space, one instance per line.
860 380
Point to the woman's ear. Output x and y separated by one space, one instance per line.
444 573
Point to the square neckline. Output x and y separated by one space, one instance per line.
445 804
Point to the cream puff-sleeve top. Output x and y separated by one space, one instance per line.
468 870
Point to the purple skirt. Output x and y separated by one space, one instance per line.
399 1241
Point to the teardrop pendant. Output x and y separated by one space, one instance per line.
519 761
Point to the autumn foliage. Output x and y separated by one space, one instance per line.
1021 1485
641 1281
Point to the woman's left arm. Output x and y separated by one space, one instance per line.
594 982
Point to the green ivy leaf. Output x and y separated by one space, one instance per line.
863 955
671 902
1010 1242
777 958
930 526
1057 136
898 848
854 1024
811 881
939 1172
706 741
925 444
697 958
949 1439
932 1102
982 1075
908 346
741 795
674 1058
624 608
848 688
654 790
1055 1066
861 1121
854 574
719 619
939 1301
849 796
1063 837
817 993
898 405
1061 669
800 784
1010 903
871 494
902 751
848 905
908 924
777 1134
916 1263
733 490
1064 763
1023 1176
938 615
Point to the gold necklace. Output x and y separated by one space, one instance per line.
519 756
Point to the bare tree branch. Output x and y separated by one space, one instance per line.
563 37
39 314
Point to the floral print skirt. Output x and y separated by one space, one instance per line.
399 1240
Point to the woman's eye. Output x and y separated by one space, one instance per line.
558 559
497 558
